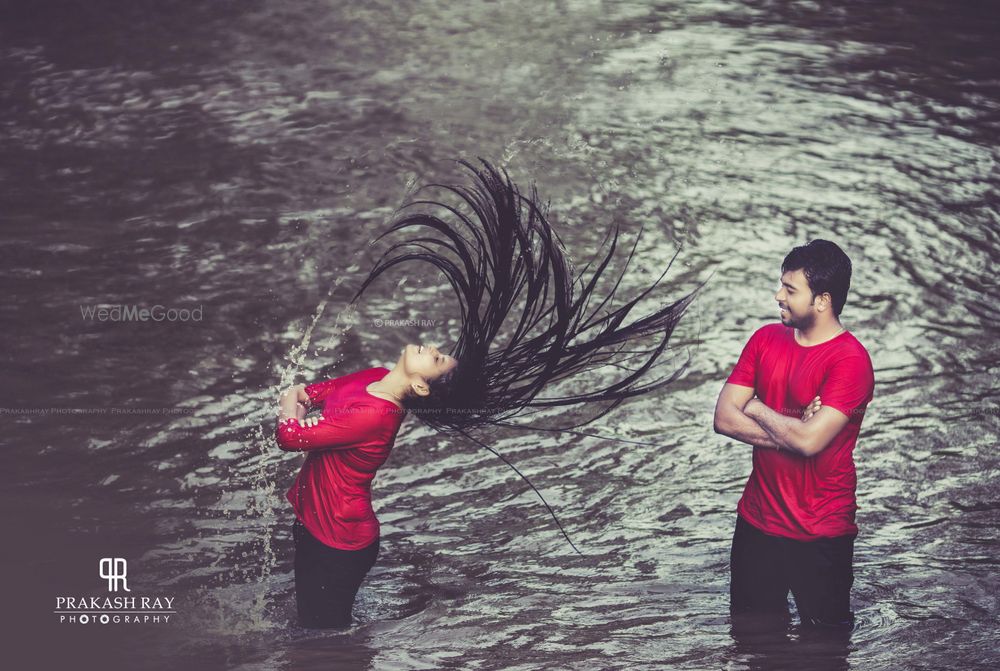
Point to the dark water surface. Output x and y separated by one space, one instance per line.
239 156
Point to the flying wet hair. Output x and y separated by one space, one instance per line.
527 319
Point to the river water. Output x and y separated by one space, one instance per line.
236 158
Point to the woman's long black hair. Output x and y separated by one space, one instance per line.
526 318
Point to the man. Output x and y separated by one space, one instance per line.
798 394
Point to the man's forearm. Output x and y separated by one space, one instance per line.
745 429
782 430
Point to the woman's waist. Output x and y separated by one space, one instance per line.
340 534
346 482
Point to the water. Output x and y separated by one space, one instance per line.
239 156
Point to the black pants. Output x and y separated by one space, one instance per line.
763 568
327 579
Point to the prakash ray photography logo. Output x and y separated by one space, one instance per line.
122 608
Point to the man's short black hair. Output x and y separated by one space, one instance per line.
826 267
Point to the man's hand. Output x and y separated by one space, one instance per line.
811 409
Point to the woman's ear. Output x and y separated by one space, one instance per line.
419 387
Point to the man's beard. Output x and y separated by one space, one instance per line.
801 323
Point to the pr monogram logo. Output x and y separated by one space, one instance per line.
114 569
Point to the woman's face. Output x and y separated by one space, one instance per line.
426 361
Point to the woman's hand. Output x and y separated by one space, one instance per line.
811 409
296 391
289 403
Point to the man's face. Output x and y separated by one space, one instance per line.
795 300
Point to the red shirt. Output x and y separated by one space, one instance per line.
332 493
789 495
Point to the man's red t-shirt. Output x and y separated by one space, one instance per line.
789 495
332 493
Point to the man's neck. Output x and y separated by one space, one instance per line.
818 335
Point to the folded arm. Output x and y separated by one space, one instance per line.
345 429
805 438
731 421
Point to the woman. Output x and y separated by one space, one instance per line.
336 532
524 324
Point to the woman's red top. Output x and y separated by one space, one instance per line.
332 493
